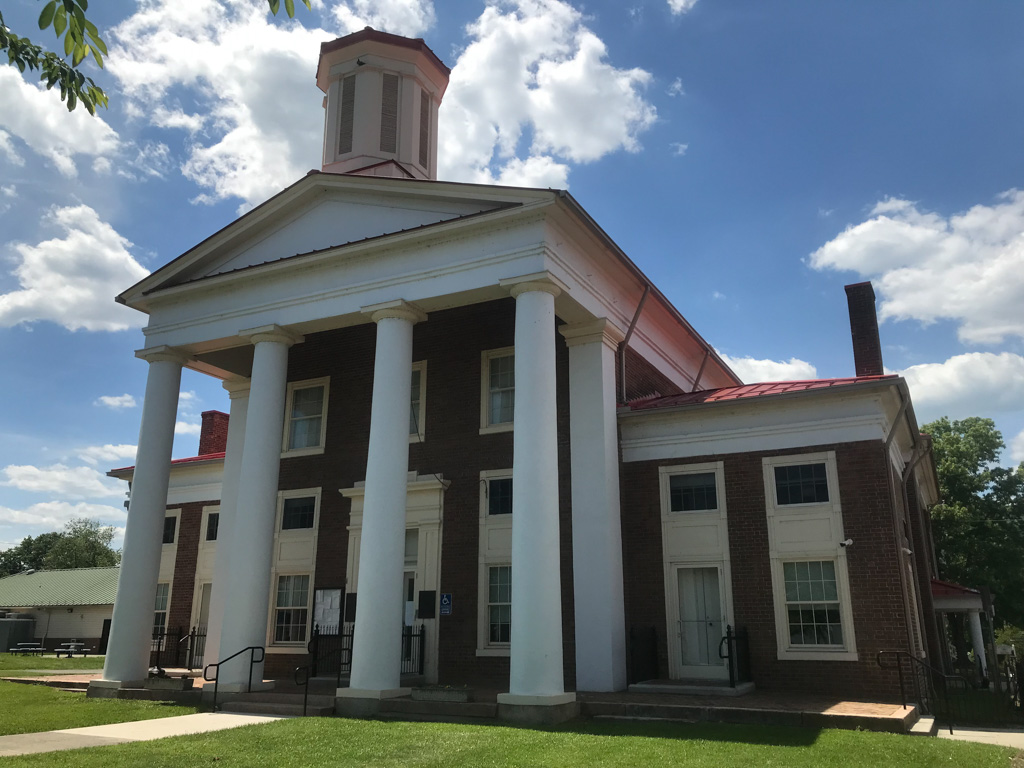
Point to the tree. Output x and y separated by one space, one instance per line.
83 543
979 525
79 38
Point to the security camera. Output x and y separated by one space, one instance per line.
907 551
847 543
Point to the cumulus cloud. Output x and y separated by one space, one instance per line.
38 118
187 428
678 149
968 268
61 480
410 18
1017 448
8 151
681 6
676 88
72 280
963 384
752 370
54 514
94 454
116 402
532 91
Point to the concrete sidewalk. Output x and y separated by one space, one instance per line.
1003 737
121 733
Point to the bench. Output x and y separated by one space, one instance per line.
28 649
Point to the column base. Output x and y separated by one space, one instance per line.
364 702
257 687
538 710
108 689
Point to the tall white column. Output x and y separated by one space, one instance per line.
131 630
596 526
376 644
978 640
247 593
238 390
536 632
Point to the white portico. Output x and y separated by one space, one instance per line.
313 259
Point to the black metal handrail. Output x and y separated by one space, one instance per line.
253 661
735 648
927 696
306 669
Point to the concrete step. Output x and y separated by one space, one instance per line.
276 708
441 710
925 726
273 697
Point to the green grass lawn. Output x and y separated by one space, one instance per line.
31 708
328 741
17 663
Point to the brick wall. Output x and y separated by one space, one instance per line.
867 347
213 434
873 565
642 378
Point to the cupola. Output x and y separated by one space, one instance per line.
383 92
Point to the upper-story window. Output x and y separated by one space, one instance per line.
498 390
212 526
170 528
693 492
389 113
306 412
346 116
298 513
801 484
418 403
499 496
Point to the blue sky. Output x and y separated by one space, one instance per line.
752 158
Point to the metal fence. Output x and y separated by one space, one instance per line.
330 650
178 647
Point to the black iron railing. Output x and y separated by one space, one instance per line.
165 647
735 647
195 647
253 661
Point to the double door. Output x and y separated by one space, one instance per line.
700 623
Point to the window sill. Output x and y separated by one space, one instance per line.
493 652
281 648
417 439
302 452
493 428
815 655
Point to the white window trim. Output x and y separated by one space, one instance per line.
488 523
167 614
325 382
421 422
291 645
821 551
176 514
293 534
485 391
203 542
298 493
712 467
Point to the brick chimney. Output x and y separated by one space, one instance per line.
213 436
867 348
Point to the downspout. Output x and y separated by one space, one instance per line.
625 343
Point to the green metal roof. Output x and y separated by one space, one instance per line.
72 586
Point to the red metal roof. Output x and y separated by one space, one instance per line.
942 588
748 391
203 457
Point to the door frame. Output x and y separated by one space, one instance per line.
676 669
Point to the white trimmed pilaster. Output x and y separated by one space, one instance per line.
596 526
536 633
247 584
376 644
131 629
238 391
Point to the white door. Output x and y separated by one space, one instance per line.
204 604
701 623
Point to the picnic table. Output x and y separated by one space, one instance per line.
72 648
28 649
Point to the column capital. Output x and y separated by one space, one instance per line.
398 308
161 354
271 332
600 330
237 387
544 282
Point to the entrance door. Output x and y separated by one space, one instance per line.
701 622
204 605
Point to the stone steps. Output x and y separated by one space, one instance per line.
280 709
447 711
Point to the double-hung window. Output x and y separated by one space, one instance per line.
812 603
163 594
306 412
291 609
497 390
418 403
494 603
499 604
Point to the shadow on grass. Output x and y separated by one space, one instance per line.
769 735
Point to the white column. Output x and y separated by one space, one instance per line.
131 630
238 390
536 633
978 640
247 586
596 526
376 644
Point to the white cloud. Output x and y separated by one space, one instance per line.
1017 448
116 402
676 89
8 151
40 119
252 80
73 280
678 149
54 514
187 428
61 480
9 191
968 268
533 68
717 295
751 370
681 6
410 18
94 454
188 396
973 384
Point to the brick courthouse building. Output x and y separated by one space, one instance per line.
470 391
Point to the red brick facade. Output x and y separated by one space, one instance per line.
213 435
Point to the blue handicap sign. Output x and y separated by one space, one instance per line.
446 603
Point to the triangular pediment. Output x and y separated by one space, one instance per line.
325 211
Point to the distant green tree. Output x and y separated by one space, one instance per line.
979 525
83 543
79 39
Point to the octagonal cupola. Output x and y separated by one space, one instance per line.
383 92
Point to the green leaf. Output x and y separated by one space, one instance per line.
289 7
81 51
97 41
46 17
80 25
72 100
69 6
60 21
84 4
69 44
90 28
97 57
307 4
275 5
